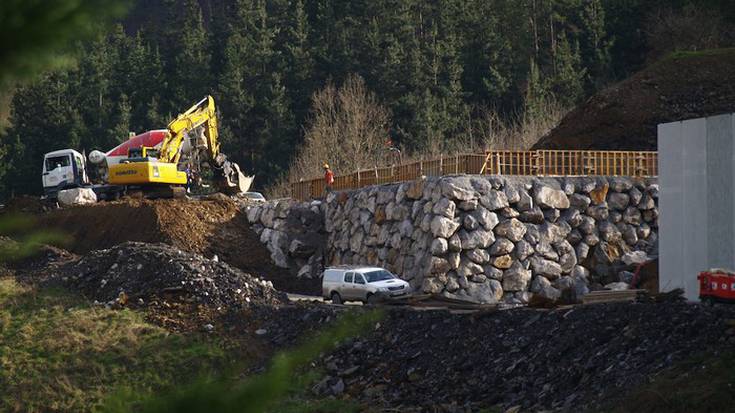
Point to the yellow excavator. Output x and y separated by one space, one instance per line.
190 147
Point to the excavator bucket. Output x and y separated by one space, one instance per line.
233 180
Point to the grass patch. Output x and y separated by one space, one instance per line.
688 54
702 384
58 353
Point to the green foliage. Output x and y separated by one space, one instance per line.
703 384
58 353
26 240
263 392
36 35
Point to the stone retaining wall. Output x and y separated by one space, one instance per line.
294 234
486 238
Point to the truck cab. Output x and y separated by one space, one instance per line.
63 169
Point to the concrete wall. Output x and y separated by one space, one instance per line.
697 215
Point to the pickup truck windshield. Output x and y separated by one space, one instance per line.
380 275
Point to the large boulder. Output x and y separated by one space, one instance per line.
516 278
635 258
487 219
478 255
494 200
501 246
77 196
619 201
457 189
445 207
544 290
439 246
523 250
511 229
479 238
579 201
443 227
547 197
546 268
487 292
415 189
432 286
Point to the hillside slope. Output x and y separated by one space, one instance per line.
625 116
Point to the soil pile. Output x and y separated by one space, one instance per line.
204 226
184 224
147 271
569 359
625 116
24 204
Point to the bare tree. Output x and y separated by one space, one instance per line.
348 130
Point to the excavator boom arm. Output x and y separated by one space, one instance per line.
165 169
201 114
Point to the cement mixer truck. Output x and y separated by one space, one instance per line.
153 163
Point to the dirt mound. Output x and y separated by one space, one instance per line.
146 271
182 223
238 245
208 226
625 116
26 204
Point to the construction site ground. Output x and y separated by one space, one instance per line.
206 226
435 356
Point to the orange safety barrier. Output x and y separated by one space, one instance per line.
524 163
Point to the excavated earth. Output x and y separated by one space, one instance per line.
625 115
210 227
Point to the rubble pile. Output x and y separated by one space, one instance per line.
569 359
141 271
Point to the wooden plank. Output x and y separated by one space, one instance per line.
605 296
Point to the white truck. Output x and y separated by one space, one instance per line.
67 169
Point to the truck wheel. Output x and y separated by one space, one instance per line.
372 299
336 299
708 301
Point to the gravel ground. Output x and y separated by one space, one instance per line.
564 360
143 271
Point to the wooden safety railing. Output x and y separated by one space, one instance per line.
525 163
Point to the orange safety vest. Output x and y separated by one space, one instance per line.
329 177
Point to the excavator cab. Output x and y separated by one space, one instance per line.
141 154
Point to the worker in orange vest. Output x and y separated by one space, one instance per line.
328 178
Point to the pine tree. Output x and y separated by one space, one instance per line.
595 43
567 82
41 123
191 76
121 126
535 95
256 109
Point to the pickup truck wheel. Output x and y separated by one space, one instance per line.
336 299
372 299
